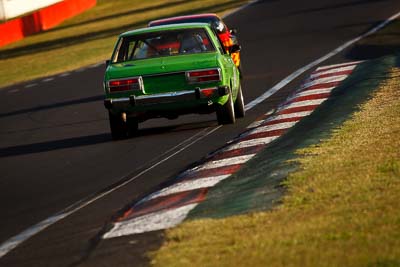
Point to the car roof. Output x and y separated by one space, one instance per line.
177 18
166 28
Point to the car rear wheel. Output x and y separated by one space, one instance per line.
118 126
226 112
132 124
239 104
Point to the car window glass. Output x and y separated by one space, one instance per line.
164 43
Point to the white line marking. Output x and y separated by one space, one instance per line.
150 222
13 91
186 186
30 85
96 65
48 80
65 74
11 243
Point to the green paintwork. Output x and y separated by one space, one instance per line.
152 69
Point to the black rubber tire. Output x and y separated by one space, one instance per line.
226 112
239 104
118 126
132 124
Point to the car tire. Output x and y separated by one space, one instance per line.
132 124
226 112
118 126
239 104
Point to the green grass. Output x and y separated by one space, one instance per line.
89 38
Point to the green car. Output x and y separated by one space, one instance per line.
167 71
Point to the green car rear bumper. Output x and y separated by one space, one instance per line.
198 101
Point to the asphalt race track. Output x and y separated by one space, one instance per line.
56 148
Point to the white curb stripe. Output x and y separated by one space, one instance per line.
324 80
317 74
289 116
223 162
186 186
343 64
150 222
311 92
252 142
302 104
281 117
278 126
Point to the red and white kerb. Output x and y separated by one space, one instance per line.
169 206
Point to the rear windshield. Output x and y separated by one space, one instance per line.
164 43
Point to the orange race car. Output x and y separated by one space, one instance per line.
227 37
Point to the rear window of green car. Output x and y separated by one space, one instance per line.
163 43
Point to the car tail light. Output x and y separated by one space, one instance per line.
201 76
125 84
208 92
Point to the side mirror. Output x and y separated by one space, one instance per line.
233 31
234 48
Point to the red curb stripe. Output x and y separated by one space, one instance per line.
263 134
298 109
320 86
172 201
237 152
309 97
230 169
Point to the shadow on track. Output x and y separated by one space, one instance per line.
55 105
96 139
